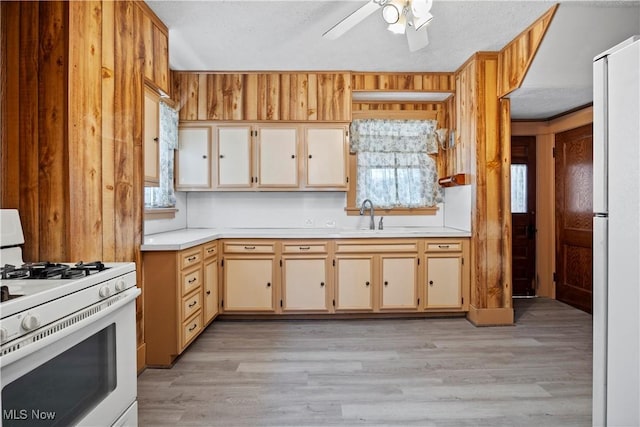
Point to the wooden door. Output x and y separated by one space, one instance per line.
574 217
194 158
151 138
523 215
248 284
210 289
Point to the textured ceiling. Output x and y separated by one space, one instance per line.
239 35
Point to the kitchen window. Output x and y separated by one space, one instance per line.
160 201
393 162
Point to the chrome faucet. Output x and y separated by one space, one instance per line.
372 223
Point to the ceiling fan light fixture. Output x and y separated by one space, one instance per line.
398 27
391 12
419 22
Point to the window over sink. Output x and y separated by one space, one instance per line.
394 166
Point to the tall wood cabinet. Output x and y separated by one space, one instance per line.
151 136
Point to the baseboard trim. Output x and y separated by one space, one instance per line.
141 356
490 316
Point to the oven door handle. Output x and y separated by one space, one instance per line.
57 330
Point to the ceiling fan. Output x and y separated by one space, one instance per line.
408 17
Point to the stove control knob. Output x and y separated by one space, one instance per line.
104 292
4 334
120 285
30 322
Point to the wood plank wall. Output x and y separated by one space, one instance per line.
481 151
72 134
281 96
425 82
516 57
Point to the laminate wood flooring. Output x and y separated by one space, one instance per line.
400 372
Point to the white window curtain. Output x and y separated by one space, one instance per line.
163 196
394 168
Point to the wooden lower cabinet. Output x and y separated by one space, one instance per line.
304 283
446 279
249 283
180 299
354 283
399 290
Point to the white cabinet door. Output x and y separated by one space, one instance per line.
151 139
326 157
248 284
305 284
354 283
444 282
277 157
194 157
399 282
234 156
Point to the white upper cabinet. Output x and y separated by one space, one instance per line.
194 157
233 145
326 156
277 156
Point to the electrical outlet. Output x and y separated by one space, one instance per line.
330 223
308 222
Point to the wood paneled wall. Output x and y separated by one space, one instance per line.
263 96
72 127
428 82
516 57
482 129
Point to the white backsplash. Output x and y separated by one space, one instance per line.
161 225
281 209
457 207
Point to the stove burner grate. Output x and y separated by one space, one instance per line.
48 270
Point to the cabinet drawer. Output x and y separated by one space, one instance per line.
304 247
191 280
249 248
191 328
355 247
189 258
444 246
191 304
210 249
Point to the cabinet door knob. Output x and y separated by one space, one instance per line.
430 282
321 283
208 292
269 285
204 156
310 156
222 156
293 156
386 283
156 139
366 284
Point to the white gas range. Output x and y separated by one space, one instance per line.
67 338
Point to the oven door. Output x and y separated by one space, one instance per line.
80 371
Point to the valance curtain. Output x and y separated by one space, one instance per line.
393 165
163 196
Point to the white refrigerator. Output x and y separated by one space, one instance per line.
616 235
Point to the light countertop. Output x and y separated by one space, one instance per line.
190 237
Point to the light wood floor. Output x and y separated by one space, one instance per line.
425 372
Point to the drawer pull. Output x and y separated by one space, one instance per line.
193 279
210 250
192 258
195 325
305 248
193 304
443 246
249 248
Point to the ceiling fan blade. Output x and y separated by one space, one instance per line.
417 39
351 21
